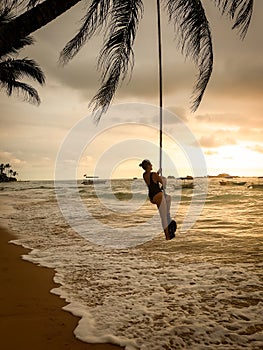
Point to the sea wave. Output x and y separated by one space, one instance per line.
202 290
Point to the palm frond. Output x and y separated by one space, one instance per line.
7 6
20 44
32 3
238 10
92 22
5 17
18 68
116 56
194 39
31 69
11 70
29 93
5 13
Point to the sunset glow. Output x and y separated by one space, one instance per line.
227 127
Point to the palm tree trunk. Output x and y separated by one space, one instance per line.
30 21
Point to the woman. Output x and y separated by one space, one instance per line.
157 196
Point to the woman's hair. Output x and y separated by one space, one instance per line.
144 163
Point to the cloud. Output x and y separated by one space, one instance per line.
179 112
218 119
256 148
230 81
229 76
8 157
250 134
217 139
230 113
210 153
230 120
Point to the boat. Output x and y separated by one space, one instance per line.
186 182
257 186
239 183
91 180
188 185
232 183
225 183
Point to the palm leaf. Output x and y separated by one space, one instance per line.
7 6
92 22
238 10
11 70
32 3
20 44
194 39
27 67
116 56
8 82
29 93
5 17
5 13
17 68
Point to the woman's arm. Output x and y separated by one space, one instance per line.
158 178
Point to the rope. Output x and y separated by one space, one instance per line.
160 87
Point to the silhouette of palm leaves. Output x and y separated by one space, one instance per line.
12 70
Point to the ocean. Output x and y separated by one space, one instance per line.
128 285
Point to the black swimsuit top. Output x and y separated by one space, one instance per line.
153 187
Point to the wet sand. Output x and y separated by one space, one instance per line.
30 316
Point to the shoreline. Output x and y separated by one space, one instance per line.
31 317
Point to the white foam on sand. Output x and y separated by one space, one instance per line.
203 290
153 300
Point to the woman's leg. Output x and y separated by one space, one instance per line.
168 205
160 201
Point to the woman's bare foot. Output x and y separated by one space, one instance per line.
167 235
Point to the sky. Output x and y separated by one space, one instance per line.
59 138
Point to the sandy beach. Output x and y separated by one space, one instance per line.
31 317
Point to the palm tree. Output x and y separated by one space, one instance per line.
11 69
119 19
2 168
7 166
36 15
9 176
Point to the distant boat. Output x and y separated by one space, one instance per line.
91 180
257 186
187 182
188 185
232 183
225 183
188 177
239 183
